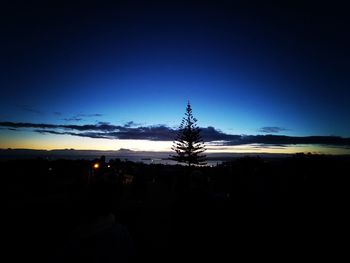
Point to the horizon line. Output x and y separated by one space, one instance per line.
168 152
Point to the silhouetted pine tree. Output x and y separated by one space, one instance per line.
188 144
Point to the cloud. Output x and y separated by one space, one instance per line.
95 135
80 117
27 125
209 134
153 133
132 124
73 119
99 130
285 140
90 115
272 129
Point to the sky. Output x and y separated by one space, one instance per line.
91 75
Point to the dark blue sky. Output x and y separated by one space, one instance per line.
242 66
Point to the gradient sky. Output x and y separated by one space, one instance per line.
243 67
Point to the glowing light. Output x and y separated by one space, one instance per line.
96 165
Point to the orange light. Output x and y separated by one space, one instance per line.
96 165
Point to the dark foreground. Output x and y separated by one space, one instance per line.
280 209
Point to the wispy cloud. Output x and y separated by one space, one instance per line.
273 129
81 117
210 135
72 119
90 115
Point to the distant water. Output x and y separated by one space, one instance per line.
144 157
158 160
147 159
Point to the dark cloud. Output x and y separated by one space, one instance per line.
154 133
103 123
209 134
132 124
49 131
92 127
100 130
284 140
95 135
27 125
272 129
88 127
80 117
268 146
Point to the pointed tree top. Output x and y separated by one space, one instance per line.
188 145
189 108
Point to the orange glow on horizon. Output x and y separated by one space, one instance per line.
28 140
